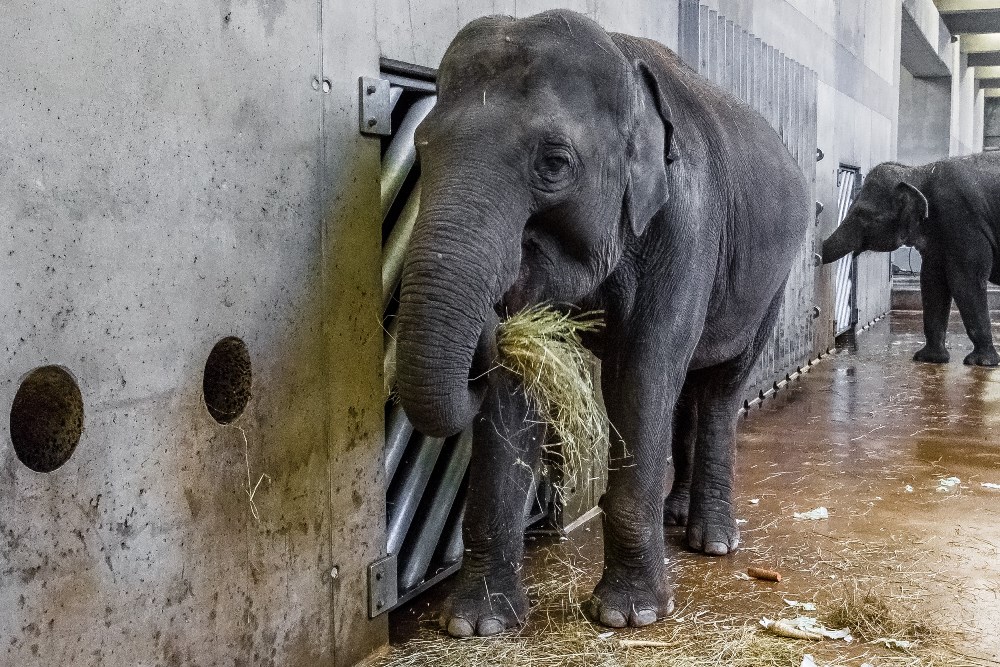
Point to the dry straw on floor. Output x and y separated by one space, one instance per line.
542 346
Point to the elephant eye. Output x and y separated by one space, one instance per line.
554 166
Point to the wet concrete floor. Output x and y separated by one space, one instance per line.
879 441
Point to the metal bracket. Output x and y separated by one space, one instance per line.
382 591
376 106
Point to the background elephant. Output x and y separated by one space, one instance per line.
546 178
950 211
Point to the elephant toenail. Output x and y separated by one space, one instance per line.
489 627
612 618
669 608
643 617
459 627
717 548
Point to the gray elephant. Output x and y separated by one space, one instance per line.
567 165
950 211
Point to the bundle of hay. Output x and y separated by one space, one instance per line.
542 346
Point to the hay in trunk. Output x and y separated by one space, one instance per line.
542 346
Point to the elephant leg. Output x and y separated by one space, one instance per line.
967 278
711 526
675 509
487 595
640 395
936 298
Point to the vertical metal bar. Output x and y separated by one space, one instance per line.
397 434
771 98
746 56
758 75
401 154
418 554
729 67
718 39
689 32
705 21
404 498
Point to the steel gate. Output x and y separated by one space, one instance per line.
846 299
425 491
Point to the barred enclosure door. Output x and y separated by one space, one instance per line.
846 302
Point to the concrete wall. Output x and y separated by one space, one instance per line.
174 174
924 118
185 172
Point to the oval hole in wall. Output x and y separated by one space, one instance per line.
227 379
46 418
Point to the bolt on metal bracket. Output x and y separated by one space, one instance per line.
375 106
382 591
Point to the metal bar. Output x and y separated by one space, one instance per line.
704 40
401 68
418 557
405 497
395 92
729 67
401 154
717 38
758 75
395 246
397 435
452 546
744 65
689 32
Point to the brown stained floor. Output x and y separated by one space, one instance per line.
868 434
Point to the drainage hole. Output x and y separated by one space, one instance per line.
46 418
227 380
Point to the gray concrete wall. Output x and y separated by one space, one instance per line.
187 172
174 174
924 118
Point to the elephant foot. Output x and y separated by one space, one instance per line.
987 357
484 607
930 355
630 598
712 530
675 508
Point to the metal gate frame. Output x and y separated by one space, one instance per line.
427 476
846 269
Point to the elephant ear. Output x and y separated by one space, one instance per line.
648 147
913 209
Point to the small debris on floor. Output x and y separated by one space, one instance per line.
813 515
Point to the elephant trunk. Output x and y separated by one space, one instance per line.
463 256
842 242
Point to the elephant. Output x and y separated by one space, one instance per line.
948 210
590 170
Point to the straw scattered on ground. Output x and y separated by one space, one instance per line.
542 346
721 630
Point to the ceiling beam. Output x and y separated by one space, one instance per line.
987 59
976 21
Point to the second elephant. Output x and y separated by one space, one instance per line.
950 211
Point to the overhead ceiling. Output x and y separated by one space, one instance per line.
977 22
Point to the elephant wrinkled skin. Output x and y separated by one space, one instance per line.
567 165
950 211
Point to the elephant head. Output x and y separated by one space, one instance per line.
886 215
545 154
